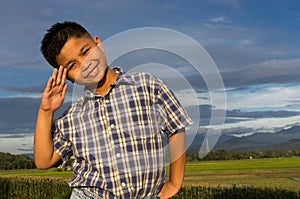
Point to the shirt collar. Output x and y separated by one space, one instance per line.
122 79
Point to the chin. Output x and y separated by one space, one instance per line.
95 81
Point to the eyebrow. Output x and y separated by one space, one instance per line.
80 53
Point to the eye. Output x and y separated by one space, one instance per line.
85 52
72 66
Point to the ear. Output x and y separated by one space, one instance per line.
97 40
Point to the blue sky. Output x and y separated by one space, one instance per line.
255 45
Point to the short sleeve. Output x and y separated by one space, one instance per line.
62 146
175 116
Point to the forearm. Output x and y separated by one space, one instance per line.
177 151
177 169
43 143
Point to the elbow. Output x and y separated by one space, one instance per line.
41 165
45 162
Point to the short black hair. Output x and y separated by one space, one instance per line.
57 36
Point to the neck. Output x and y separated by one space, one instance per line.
108 79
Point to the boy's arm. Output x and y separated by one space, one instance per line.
177 152
52 98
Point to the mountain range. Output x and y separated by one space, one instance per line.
286 139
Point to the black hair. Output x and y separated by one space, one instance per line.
57 36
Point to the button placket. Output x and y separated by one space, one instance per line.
112 126
123 184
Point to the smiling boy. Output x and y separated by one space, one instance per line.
114 131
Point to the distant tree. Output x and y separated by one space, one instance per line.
10 161
229 155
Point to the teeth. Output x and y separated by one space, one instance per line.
94 72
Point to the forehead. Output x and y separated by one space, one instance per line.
72 48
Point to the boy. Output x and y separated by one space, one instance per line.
114 130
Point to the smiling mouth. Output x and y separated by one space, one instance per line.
93 73
91 70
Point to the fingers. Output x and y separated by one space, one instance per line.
56 87
64 90
59 76
49 84
54 77
64 86
64 76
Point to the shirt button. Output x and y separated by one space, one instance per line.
118 155
123 184
112 126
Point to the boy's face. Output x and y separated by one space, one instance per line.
84 59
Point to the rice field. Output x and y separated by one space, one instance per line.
278 176
283 173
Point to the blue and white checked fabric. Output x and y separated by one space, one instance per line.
116 140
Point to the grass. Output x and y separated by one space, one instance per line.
282 173
265 173
55 173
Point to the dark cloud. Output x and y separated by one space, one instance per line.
18 115
261 114
235 116
270 72
277 71
25 150
32 89
11 134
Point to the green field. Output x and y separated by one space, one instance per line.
272 173
282 173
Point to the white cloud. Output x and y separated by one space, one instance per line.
221 19
265 97
265 124
47 12
17 145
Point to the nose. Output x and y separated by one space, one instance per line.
85 64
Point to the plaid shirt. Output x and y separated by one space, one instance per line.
117 139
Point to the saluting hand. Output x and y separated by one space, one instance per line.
55 91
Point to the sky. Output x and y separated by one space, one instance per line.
254 44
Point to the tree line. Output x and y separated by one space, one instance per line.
230 155
10 161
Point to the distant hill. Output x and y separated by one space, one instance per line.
30 155
288 145
278 137
287 139
240 144
10 161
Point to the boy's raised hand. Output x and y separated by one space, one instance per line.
55 91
